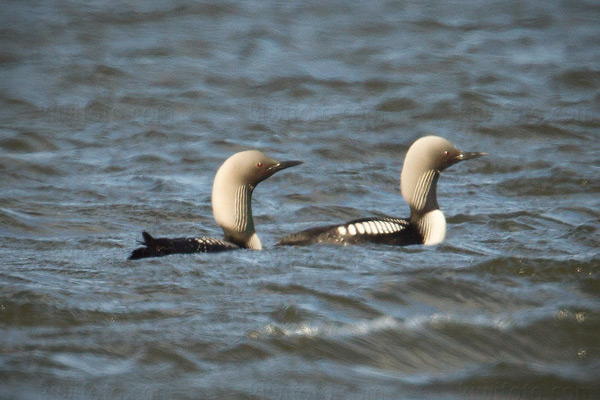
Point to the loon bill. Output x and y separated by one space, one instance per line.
425 160
232 208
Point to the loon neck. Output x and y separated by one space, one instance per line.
232 191
232 209
420 192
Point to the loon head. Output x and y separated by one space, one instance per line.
232 194
425 160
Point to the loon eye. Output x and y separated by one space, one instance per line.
446 153
259 165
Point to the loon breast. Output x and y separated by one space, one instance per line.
394 231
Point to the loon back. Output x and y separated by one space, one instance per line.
158 247
394 231
425 160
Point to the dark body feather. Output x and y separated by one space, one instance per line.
158 247
393 231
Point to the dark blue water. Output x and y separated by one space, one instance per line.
115 117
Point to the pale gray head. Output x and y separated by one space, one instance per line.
232 193
425 160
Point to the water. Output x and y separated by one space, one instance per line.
115 117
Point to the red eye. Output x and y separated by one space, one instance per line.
446 153
259 165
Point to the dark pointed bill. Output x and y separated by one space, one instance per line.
283 165
465 155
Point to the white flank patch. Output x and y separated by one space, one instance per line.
342 230
360 228
367 227
374 228
387 228
352 230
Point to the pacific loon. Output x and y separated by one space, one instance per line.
425 160
232 208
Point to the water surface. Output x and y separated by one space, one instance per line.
114 118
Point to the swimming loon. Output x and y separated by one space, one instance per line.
425 160
232 208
